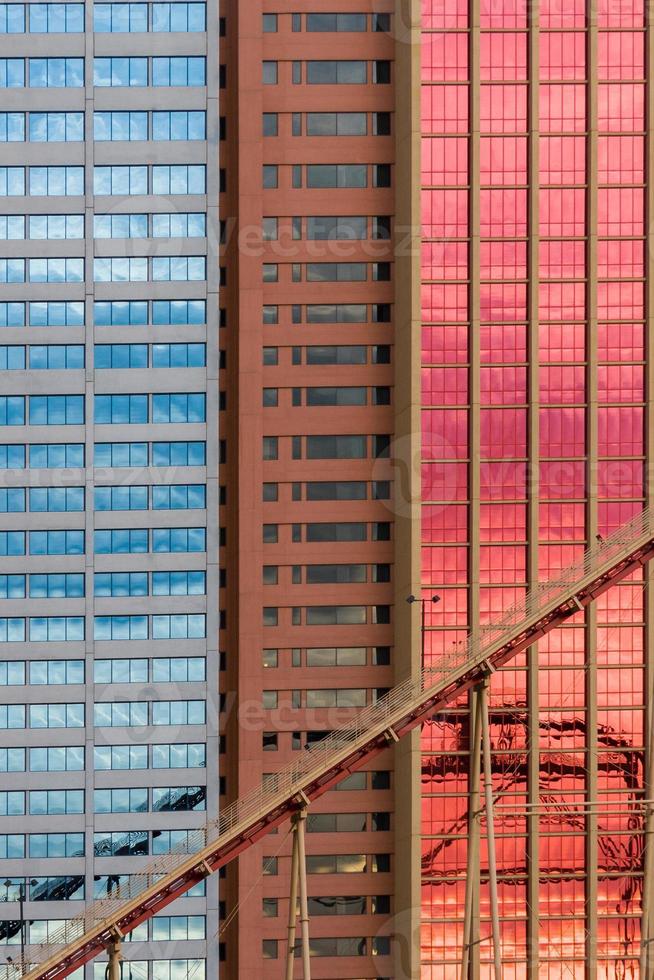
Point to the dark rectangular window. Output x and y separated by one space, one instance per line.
336 490
336 531
381 72
336 447
336 396
337 124
336 355
336 72
270 125
328 227
336 22
342 175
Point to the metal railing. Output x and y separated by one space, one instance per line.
596 562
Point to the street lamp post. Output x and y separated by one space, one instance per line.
433 599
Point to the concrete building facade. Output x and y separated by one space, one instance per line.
108 303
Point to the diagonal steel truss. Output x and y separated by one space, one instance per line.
406 706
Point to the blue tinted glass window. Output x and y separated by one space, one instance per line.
120 71
12 542
178 583
120 628
178 453
12 410
178 497
178 17
52 18
121 541
121 498
120 313
49 629
120 17
12 500
57 410
12 358
12 456
56 314
67 455
56 226
179 225
57 357
12 18
56 499
12 127
56 586
178 71
121 409
179 125
56 72
56 542
120 584
120 226
121 356
179 311
121 454
12 72
12 181
178 407
13 587
56 181
56 127
178 539
12 314
120 126
178 179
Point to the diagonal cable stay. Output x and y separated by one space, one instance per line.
317 769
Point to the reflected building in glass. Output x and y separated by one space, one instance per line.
536 286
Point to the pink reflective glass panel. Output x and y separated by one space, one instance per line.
557 466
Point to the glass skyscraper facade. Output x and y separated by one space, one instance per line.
108 447
536 281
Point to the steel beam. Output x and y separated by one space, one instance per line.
115 957
646 951
300 823
490 831
472 863
292 908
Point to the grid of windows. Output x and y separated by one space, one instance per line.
533 407
328 257
60 530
